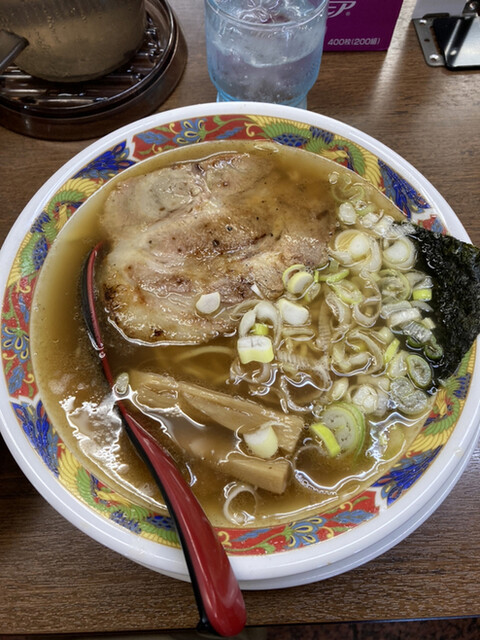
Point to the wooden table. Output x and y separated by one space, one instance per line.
54 579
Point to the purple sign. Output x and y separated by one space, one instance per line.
360 24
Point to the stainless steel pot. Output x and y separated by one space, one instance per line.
70 40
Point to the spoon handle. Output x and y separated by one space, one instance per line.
219 599
218 596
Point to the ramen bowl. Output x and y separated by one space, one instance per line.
314 547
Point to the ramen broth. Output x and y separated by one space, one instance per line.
81 407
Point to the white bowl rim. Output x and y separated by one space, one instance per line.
272 570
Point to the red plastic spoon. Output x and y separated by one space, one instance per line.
218 596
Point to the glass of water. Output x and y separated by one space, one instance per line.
265 50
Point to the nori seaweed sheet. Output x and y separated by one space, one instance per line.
454 267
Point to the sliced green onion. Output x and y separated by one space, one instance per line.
347 292
369 218
419 280
208 303
413 343
418 332
397 367
339 389
364 208
262 442
255 349
288 273
299 282
391 350
393 285
359 246
292 312
333 177
400 254
390 308
419 370
332 266
347 213
266 310
329 267
407 397
385 334
347 423
366 398
323 433
356 194
331 278
260 329
432 349
403 317
312 292
383 227
247 323
422 294
352 246
429 323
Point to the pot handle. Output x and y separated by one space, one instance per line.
10 46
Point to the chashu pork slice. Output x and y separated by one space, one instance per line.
222 225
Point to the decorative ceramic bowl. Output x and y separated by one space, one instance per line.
317 547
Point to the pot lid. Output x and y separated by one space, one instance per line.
89 109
